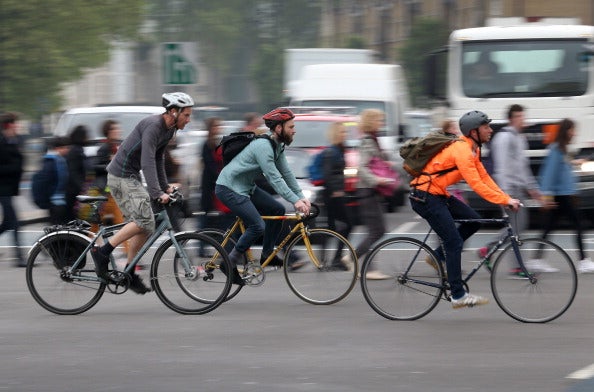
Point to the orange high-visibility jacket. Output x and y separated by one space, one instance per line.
465 156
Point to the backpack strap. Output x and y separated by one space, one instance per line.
273 143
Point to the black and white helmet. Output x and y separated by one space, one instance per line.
180 100
472 120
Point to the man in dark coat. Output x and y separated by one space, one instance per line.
11 170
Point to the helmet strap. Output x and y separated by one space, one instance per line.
478 139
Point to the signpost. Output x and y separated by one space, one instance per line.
178 59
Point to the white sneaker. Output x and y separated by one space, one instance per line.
376 275
538 265
469 300
586 266
347 261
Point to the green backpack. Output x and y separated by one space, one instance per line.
418 151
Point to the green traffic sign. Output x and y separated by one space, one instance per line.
177 69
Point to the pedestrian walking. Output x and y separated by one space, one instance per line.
77 169
370 203
333 164
512 173
11 170
558 184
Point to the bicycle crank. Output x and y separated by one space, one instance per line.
118 282
253 274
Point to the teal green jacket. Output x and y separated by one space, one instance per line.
240 174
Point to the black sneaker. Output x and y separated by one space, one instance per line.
101 263
275 262
138 286
236 278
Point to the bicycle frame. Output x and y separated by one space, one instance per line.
510 235
164 225
298 228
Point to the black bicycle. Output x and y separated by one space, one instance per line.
418 280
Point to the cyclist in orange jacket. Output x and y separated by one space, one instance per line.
431 200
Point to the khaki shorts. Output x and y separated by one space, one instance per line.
133 200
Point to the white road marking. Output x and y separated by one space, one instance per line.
582 374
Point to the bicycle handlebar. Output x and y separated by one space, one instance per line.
314 211
174 197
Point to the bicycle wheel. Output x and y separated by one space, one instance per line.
321 283
219 236
48 279
541 299
414 287
200 289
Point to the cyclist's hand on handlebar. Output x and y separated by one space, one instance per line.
163 199
514 204
307 202
302 206
172 188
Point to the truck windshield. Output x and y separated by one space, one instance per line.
524 68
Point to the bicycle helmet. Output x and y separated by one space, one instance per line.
277 116
180 100
472 120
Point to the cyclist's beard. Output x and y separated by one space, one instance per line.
285 137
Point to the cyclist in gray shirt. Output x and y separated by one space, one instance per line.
142 150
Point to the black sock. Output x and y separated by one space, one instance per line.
106 249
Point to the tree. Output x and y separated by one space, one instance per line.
427 34
44 43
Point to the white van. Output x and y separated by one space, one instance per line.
363 86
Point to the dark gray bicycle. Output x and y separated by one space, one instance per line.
61 275
418 281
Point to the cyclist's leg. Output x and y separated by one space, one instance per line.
436 212
267 205
242 207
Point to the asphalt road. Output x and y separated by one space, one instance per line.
266 339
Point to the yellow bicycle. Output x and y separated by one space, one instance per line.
319 282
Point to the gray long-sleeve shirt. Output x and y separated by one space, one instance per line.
144 150
511 166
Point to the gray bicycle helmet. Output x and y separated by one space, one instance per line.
180 100
472 120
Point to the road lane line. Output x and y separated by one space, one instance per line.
582 374
404 228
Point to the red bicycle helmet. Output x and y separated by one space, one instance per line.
277 116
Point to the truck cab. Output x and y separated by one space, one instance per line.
545 68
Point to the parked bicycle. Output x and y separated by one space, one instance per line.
418 280
61 276
318 282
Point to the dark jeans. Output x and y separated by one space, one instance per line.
339 219
10 222
372 216
440 212
565 206
249 210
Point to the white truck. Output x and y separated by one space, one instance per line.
362 86
544 67
297 59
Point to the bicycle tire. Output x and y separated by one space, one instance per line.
539 301
47 278
323 284
400 297
219 236
202 291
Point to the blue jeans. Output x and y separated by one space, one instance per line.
249 210
440 212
